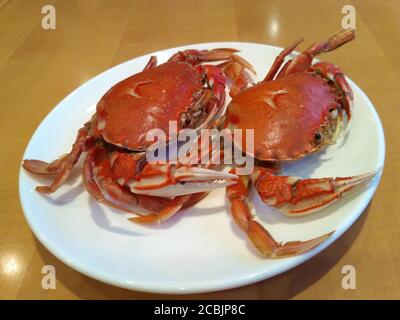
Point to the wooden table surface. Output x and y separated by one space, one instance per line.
38 68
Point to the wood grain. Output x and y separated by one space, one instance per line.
38 68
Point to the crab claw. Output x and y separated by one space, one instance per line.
294 196
256 233
170 180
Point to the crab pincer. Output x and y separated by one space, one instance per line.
293 197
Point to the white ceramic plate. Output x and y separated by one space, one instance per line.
200 249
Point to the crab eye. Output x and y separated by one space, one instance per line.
318 137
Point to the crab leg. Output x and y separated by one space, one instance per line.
303 61
170 180
294 196
257 234
151 63
172 207
44 168
61 167
281 59
334 73
196 57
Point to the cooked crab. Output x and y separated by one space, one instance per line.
296 110
116 170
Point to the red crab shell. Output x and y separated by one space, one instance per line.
285 114
147 100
